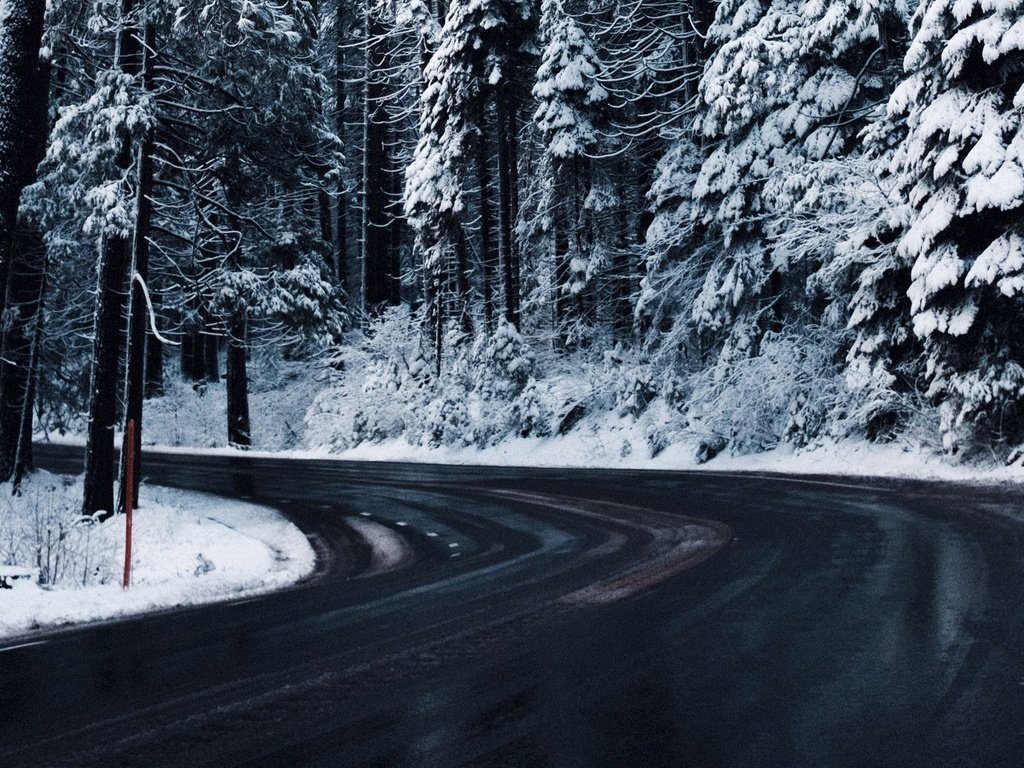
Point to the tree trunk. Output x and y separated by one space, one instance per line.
622 278
488 255
377 287
107 328
24 84
395 231
507 203
106 358
23 456
138 312
460 296
339 205
17 365
560 278
239 431
23 139
211 359
193 355
154 357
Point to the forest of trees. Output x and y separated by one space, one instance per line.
781 220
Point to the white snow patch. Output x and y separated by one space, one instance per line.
389 550
188 549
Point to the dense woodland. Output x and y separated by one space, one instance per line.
754 221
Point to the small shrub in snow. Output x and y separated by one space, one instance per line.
754 403
447 422
388 388
636 392
501 364
533 412
40 528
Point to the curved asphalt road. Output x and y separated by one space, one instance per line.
575 622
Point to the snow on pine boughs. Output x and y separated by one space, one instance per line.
473 50
963 162
567 88
570 100
789 85
84 144
301 300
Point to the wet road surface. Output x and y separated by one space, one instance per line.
561 618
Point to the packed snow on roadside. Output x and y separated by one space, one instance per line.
188 549
622 446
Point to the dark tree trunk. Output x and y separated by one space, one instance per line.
25 83
560 278
154 357
622 278
488 249
339 205
17 365
377 278
697 18
436 289
512 151
107 328
239 431
23 460
395 230
507 203
138 313
193 355
107 333
462 270
211 359
23 140
154 367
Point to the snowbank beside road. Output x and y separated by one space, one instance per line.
189 548
622 446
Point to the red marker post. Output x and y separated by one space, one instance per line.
129 498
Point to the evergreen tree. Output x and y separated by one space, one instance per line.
569 97
21 30
476 49
963 160
791 82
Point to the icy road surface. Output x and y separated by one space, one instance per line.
562 618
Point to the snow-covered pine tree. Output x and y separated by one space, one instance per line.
963 103
261 134
791 81
476 49
867 279
569 99
670 241
121 114
674 252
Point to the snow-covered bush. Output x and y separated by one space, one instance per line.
501 364
786 392
387 388
533 411
41 528
377 383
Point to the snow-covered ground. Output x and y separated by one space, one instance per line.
289 418
189 548
606 450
